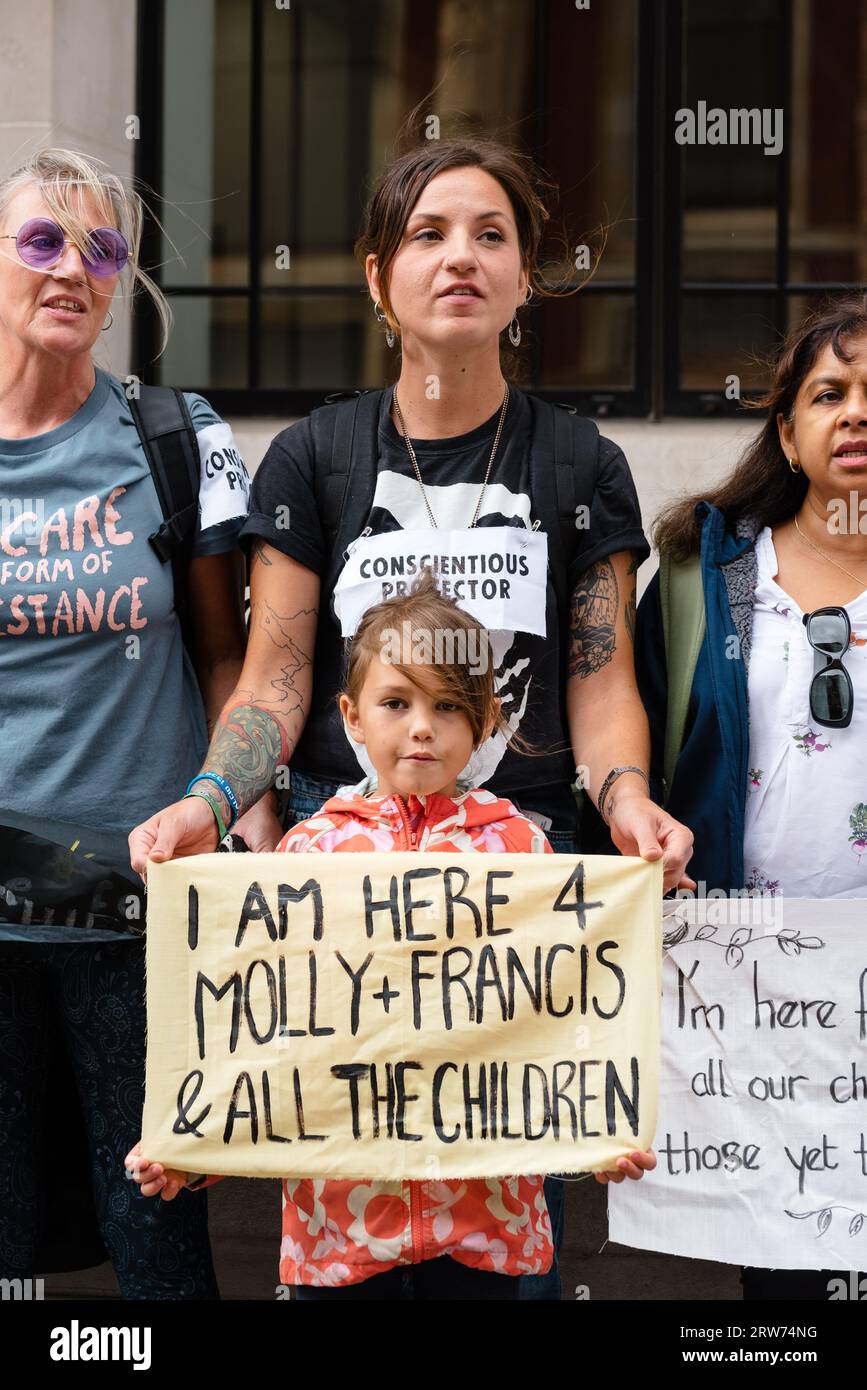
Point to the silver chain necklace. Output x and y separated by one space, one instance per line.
408 443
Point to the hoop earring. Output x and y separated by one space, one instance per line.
389 332
795 467
106 326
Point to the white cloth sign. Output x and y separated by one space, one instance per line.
761 1132
498 574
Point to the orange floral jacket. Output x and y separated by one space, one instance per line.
341 1232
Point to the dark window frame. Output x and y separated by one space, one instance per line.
657 287
672 399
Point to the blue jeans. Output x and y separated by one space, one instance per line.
91 997
306 796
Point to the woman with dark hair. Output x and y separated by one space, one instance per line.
773 731
450 247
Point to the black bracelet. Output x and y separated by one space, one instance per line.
615 772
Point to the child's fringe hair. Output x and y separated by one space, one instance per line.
412 633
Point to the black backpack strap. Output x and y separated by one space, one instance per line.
567 444
168 438
165 428
345 447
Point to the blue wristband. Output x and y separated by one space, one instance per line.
224 788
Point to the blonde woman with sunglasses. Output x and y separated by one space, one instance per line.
92 662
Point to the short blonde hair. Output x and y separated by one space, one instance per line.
57 173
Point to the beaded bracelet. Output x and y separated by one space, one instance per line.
615 772
212 802
224 788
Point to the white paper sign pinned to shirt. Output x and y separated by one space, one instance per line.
224 489
498 574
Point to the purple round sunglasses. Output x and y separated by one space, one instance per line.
40 244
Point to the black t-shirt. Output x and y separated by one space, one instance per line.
528 667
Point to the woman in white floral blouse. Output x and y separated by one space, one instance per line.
772 772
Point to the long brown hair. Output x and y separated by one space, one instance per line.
762 485
400 185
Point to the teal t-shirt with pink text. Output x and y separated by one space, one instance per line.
101 717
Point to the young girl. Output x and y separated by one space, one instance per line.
420 723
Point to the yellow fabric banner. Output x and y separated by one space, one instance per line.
401 1015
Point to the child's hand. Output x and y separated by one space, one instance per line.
259 827
635 1166
154 1179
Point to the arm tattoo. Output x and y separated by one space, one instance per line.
250 741
259 553
247 749
591 623
286 696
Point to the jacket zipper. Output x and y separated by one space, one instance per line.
408 831
415 1222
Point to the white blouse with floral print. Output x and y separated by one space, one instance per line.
805 831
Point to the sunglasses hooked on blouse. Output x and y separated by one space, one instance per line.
832 696
40 243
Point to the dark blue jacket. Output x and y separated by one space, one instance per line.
709 787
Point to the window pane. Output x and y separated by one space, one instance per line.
828 211
206 136
800 306
329 70
208 343
731 63
588 341
327 340
339 80
721 336
588 103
